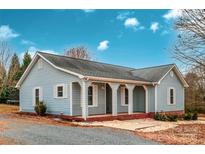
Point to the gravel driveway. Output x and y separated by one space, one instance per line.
34 133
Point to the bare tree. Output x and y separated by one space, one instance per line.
190 45
78 52
5 54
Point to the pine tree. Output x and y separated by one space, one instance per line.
14 69
26 61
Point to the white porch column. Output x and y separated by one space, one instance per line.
114 87
130 88
84 98
146 98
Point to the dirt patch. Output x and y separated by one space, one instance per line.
182 134
6 109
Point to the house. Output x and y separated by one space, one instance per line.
83 88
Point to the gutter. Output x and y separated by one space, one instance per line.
118 80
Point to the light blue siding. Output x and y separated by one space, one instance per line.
139 99
46 78
151 98
120 107
162 92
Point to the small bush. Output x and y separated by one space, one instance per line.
194 116
164 117
187 116
191 115
173 118
40 108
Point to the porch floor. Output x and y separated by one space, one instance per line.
109 117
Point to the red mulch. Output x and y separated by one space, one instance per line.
183 134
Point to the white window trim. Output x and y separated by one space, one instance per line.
55 91
40 95
168 96
122 94
94 95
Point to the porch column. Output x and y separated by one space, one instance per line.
84 98
130 88
146 98
114 87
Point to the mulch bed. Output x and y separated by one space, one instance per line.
183 134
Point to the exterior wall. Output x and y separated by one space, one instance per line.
139 99
162 90
120 108
101 107
151 98
46 77
76 99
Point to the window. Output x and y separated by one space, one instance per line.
60 91
37 95
90 96
93 96
124 96
171 96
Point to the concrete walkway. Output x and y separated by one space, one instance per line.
144 125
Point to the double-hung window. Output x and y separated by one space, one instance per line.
171 96
60 91
93 96
124 96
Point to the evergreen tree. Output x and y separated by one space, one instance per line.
26 61
13 72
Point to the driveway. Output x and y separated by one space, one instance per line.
23 132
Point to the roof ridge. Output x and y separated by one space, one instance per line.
156 66
87 60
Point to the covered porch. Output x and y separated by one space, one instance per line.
93 99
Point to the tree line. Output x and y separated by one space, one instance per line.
10 71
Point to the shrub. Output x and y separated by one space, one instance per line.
40 108
173 118
194 116
164 117
187 116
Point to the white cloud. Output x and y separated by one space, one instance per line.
88 10
131 23
154 26
103 45
32 50
124 15
27 42
172 14
7 33
164 32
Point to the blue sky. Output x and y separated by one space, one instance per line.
135 38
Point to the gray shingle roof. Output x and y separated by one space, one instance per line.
98 69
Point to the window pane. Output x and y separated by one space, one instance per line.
90 100
171 96
126 96
60 91
37 96
90 95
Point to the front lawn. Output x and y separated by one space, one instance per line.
6 109
182 134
